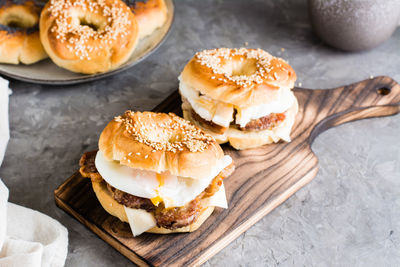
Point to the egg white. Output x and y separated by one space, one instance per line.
174 191
222 113
209 109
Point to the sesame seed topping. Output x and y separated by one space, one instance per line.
165 133
215 60
83 39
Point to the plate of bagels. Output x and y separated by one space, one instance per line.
74 41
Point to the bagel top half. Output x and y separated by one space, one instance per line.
241 77
160 142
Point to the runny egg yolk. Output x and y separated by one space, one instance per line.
161 180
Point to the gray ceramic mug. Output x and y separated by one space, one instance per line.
354 25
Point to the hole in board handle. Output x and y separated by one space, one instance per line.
384 91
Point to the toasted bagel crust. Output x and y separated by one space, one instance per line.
148 141
213 80
67 34
150 15
20 44
223 87
117 210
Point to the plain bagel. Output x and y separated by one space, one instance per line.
150 15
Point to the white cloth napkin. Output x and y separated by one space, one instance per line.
27 237
4 131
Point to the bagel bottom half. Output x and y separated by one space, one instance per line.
117 210
249 139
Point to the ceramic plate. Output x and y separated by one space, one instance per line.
46 72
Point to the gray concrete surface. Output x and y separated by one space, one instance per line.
349 215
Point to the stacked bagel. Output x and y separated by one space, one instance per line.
157 172
241 96
84 36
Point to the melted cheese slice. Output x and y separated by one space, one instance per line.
285 100
174 191
222 113
140 220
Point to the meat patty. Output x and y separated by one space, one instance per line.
173 218
170 218
88 168
177 217
129 200
267 122
216 183
209 125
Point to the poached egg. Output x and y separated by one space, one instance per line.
174 191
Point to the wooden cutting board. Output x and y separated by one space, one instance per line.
264 177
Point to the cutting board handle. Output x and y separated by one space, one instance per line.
375 97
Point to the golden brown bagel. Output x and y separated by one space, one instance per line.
117 210
160 142
88 36
176 159
232 91
241 77
19 32
150 15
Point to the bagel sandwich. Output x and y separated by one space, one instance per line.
241 96
157 172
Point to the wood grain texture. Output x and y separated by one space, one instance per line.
264 177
